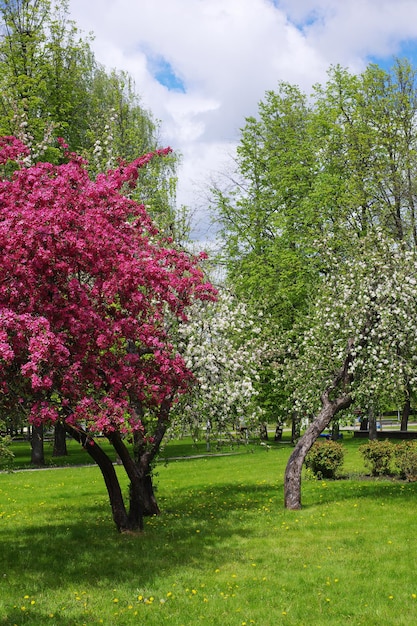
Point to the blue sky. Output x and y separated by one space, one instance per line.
202 66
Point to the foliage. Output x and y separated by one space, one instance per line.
51 86
87 289
325 458
221 345
299 192
6 454
378 456
369 302
266 236
405 458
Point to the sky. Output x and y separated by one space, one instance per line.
202 66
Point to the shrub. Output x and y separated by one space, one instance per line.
378 457
6 455
325 458
405 457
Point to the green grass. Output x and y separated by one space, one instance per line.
223 552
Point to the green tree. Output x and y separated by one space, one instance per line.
328 167
360 343
266 237
51 85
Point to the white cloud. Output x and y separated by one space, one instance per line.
227 53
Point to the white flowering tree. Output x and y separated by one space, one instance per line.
361 345
222 347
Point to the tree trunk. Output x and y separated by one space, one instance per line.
372 424
60 440
292 480
263 429
120 516
405 414
335 431
295 428
142 501
36 442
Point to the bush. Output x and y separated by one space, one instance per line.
378 457
6 455
325 458
405 456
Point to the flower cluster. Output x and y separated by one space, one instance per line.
85 283
221 346
371 301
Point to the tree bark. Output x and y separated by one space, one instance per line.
139 469
372 424
36 442
120 516
406 412
292 480
335 431
60 440
295 428
142 501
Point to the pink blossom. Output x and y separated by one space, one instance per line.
86 285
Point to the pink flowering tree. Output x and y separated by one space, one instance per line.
87 288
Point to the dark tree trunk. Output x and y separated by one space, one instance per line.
372 424
60 440
364 423
405 414
142 501
120 516
264 431
36 443
335 431
292 480
278 432
295 428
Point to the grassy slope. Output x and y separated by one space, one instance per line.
224 551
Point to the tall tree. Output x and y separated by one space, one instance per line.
360 345
52 86
266 237
328 167
88 294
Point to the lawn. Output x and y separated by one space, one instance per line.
223 552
